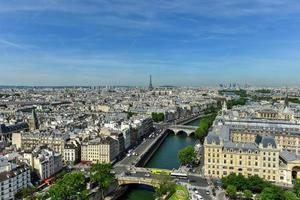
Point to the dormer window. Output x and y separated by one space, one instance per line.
269 145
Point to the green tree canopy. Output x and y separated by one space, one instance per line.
267 194
231 191
289 195
204 125
164 184
187 155
71 186
101 174
158 117
248 194
296 188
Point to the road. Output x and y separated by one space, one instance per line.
195 184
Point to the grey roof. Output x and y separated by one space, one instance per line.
213 138
240 146
288 156
13 128
222 131
265 140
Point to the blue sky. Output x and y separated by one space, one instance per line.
122 42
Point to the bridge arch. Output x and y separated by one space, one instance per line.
192 134
170 131
182 132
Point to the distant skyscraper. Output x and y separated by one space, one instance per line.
150 84
286 100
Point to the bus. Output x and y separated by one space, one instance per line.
179 175
160 171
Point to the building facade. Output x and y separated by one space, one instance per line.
13 178
44 161
100 150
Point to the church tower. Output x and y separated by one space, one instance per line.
33 122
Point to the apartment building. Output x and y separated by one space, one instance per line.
29 140
44 161
102 149
13 178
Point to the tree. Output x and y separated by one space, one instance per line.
187 155
164 184
267 194
204 125
256 184
130 114
296 188
157 117
71 186
289 195
253 183
231 191
101 174
248 194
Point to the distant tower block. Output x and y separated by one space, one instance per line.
150 84
286 100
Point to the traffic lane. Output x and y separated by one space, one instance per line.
197 181
140 149
202 192
128 160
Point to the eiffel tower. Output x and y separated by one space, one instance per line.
150 84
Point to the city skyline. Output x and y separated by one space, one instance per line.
181 43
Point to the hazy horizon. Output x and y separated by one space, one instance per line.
181 43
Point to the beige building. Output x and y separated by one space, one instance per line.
30 140
274 114
100 150
260 157
264 143
44 161
103 108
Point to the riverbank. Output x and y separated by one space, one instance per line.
164 158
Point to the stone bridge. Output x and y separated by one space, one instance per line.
127 180
178 129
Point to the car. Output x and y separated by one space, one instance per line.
147 175
207 192
196 192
